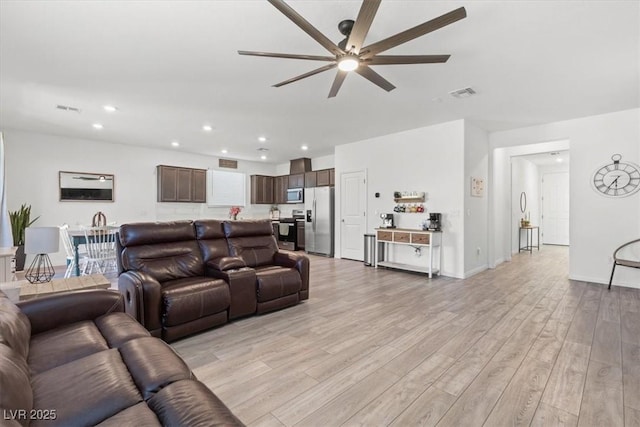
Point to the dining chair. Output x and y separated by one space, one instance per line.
101 249
627 255
70 252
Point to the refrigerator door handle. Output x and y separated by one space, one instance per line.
314 215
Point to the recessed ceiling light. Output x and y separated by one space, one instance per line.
97 126
262 139
207 128
304 147
559 160
175 143
110 108
263 157
224 151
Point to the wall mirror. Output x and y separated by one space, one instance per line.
83 186
523 202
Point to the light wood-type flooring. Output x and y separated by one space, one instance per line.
517 345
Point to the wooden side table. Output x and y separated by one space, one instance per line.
56 286
528 231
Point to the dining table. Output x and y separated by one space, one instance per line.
78 237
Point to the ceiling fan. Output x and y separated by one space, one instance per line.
350 55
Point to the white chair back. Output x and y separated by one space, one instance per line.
101 248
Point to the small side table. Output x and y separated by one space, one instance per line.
528 231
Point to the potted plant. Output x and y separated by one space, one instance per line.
20 220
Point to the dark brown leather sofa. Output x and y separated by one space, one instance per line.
77 359
182 277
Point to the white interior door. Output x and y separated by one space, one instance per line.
353 210
555 208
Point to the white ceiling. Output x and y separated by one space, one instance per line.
172 66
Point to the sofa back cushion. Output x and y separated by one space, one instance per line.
253 241
15 328
211 239
164 250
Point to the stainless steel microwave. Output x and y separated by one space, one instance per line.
295 195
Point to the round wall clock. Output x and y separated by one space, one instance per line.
617 179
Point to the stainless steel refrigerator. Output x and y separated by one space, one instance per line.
318 229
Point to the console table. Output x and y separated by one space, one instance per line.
23 290
409 237
528 231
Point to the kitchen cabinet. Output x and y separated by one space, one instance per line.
281 183
199 179
296 180
310 179
177 184
322 178
261 189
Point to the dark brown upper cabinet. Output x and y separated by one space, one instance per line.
296 181
262 189
186 185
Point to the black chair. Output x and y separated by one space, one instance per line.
623 259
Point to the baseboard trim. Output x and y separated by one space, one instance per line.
601 281
475 271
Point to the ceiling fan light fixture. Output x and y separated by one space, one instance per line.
348 63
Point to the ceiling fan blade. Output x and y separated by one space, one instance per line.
337 83
361 26
415 32
287 55
374 78
305 75
407 59
306 26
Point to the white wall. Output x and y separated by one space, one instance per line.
524 178
33 161
476 164
428 159
593 140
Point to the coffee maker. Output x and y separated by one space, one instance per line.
387 220
435 220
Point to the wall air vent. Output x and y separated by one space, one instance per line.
67 108
463 93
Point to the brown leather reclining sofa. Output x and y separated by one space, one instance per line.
77 359
182 277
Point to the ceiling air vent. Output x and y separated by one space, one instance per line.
463 93
67 108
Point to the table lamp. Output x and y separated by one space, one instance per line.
41 241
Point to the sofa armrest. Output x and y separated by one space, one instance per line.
242 288
58 310
226 263
143 299
298 261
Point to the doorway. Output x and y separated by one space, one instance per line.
543 178
353 208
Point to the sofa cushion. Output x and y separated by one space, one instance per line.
152 233
15 328
85 391
207 229
255 251
65 344
15 384
260 227
153 365
192 298
275 282
136 415
118 328
165 261
190 403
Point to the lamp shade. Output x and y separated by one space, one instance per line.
41 240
